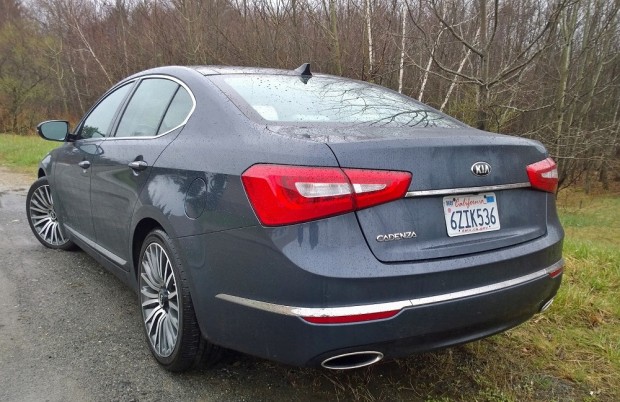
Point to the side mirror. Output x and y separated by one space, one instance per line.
54 130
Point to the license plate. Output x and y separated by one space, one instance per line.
468 214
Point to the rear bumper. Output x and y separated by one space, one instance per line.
331 315
251 287
278 332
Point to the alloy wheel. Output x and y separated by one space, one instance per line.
43 217
159 300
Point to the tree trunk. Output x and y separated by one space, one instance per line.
401 69
335 41
568 22
453 83
482 93
371 55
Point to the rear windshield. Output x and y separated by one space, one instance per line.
296 100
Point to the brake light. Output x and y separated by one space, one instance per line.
543 175
374 187
283 195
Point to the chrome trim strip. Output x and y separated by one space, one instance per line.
486 289
315 311
464 190
384 307
108 254
555 267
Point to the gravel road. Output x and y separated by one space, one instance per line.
70 331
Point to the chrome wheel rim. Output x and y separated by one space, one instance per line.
160 302
43 216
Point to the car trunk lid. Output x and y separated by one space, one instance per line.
444 180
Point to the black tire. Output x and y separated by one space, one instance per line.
42 217
168 316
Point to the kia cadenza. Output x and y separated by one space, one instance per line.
299 217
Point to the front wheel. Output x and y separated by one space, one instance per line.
168 315
42 217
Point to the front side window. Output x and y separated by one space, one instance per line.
99 121
144 113
327 100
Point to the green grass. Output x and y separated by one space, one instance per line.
23 152
587 315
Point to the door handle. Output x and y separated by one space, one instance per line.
138 166
84 164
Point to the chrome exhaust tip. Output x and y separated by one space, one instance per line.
353 360
546 306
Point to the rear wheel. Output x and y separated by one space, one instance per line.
42 217
168 315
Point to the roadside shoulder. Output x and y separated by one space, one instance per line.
11 180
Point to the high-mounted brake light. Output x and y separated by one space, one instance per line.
283 195
543 175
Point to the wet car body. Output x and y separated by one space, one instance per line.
331 290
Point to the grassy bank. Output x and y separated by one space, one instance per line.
23 153
584 325
571 352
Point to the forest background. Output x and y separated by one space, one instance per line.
542 69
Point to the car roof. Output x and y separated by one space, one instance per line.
208 70
217 70
221 70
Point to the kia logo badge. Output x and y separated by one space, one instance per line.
481 168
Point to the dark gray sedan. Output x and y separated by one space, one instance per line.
300 217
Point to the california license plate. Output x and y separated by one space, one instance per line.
468 214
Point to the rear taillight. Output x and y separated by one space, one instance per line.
283 195
543 175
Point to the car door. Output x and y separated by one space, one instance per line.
151 120
72 165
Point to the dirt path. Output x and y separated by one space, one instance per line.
9 180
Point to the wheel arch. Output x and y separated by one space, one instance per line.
143 228
44 166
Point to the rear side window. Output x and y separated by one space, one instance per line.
147 106
329 100
179 109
